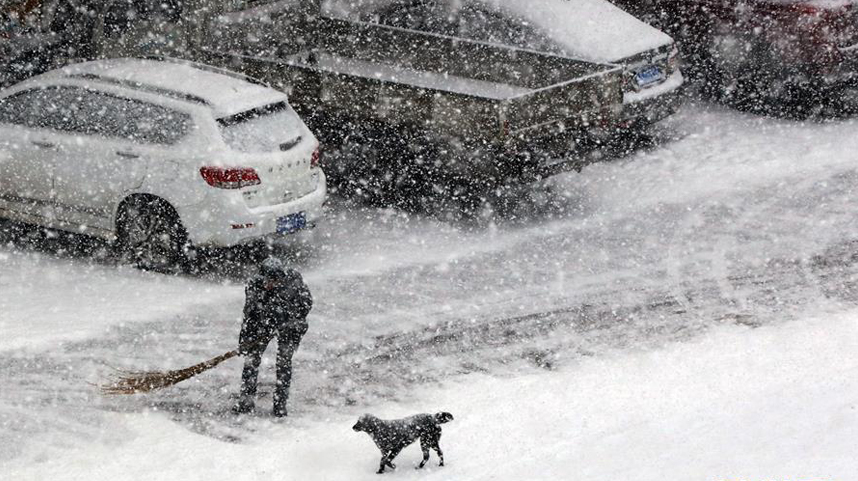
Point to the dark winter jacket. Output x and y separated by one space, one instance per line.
280 311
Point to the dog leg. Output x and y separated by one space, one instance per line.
440 454
387 460
392 455
424 445
383 463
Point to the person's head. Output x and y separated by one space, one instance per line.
273 272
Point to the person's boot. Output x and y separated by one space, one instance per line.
280 398
244 406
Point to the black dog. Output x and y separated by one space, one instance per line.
393 436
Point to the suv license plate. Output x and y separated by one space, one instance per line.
649 76
291 223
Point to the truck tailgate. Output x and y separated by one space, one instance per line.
594 100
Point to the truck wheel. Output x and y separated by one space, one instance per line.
741 72
151 237
358 173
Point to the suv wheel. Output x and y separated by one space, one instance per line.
151 237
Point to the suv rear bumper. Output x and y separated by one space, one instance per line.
237 224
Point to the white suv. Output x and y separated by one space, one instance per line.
159 155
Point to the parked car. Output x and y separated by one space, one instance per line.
160 156
766 54
592 30
426 113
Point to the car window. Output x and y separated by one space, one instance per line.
469 20
37 108
262 130
112 116
83 111
486 25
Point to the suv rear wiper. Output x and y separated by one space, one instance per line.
290 143
252 114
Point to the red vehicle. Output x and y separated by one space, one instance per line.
798 55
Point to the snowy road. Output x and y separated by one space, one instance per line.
737 221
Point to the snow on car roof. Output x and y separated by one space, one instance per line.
594 30
227 94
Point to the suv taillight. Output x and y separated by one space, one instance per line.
230 177
316 158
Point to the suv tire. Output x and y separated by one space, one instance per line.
151 237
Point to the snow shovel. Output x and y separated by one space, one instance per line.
131 382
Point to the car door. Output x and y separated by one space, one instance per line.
117 140
28 120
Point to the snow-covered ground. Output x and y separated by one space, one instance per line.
686 311
772 403
47 300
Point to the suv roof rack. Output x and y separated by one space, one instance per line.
142 87
207 68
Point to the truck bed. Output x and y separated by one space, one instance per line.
436 81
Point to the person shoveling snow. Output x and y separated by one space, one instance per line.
276 305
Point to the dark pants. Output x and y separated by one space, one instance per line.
287 343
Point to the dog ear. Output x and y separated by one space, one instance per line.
366 422
361 423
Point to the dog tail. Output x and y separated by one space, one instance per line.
443 417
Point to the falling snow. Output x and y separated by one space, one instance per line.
617 240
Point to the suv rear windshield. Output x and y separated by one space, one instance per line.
264 129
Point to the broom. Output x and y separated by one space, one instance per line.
131 382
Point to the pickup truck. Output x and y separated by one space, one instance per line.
593 30
439 109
